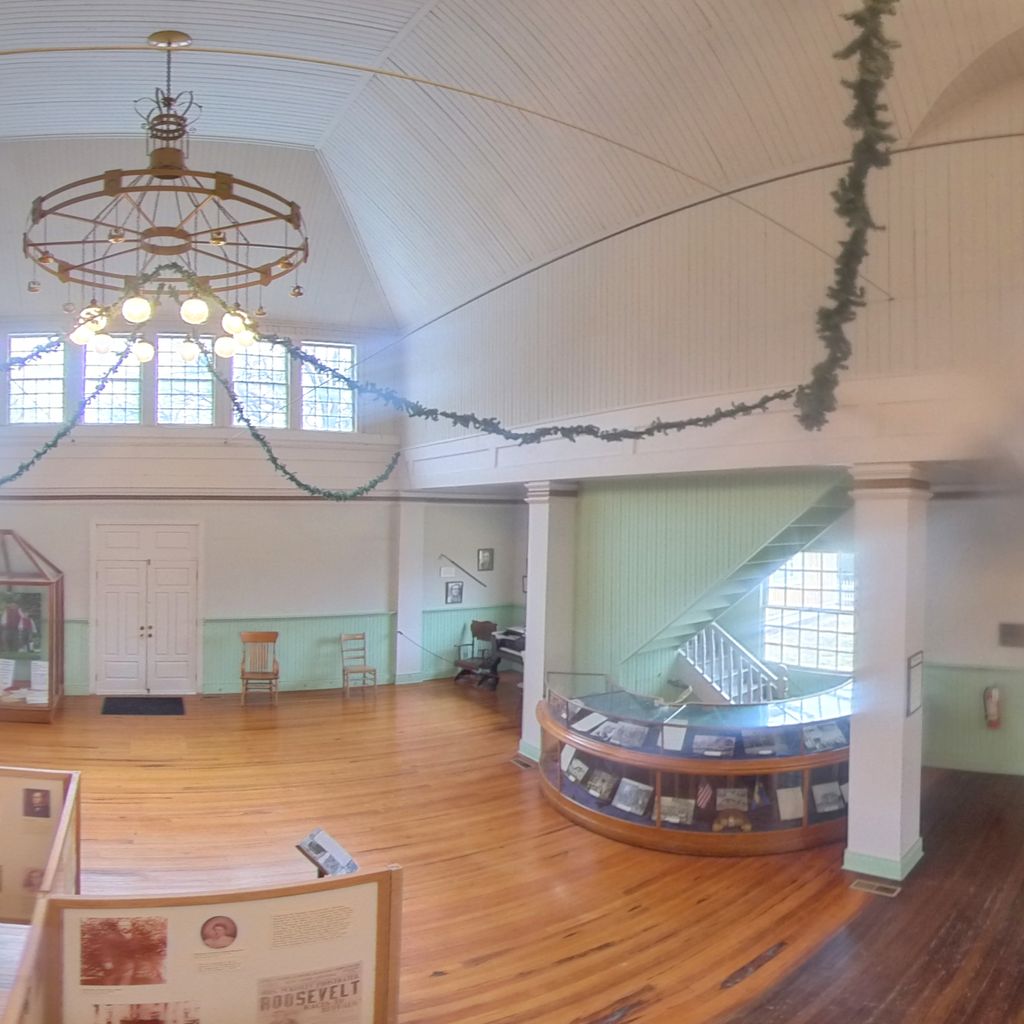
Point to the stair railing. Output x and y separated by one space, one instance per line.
736 673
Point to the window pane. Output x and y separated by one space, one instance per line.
326 404
119 401
36 392
260 378
184 391
810 638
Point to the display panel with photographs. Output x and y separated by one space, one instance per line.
707 744
301 954
822 736
829 786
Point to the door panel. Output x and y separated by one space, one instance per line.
121 656
172 646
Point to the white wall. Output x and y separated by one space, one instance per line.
459 530
975 580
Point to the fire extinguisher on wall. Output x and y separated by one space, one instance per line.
993 710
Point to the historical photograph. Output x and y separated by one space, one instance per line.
632 796
146 1013
35 803
218 932
20 618
453 592
710 745
124 951
484 559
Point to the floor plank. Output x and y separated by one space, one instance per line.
511 914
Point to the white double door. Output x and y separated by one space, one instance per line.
145 626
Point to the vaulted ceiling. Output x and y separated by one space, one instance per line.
441 147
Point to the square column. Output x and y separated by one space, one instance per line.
550 595
890 503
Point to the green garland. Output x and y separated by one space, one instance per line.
279 466
816 399
17 362
68 425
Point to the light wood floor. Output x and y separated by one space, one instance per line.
511 914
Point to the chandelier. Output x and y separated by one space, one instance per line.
133 238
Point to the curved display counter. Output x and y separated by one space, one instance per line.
720 780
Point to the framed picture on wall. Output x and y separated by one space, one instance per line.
484 559
453 592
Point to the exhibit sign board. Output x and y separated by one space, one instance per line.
324 951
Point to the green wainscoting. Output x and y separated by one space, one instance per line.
308 649
76 657
444 628
955 734
647 549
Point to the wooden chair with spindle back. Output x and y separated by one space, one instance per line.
260 669
353 661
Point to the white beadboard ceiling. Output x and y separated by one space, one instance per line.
564 121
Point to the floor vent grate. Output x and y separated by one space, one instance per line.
523 762
876 888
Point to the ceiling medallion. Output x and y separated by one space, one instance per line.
164 230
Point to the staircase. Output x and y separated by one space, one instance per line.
722 671
805 529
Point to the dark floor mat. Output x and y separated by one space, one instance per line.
143 706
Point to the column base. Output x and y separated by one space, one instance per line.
882 867
529 750
410 677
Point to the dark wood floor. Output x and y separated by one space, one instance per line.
512 915
950 948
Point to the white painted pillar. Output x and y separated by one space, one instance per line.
550 591
890 504
412 519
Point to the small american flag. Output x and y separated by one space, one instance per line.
704 794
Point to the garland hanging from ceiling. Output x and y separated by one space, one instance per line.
814 400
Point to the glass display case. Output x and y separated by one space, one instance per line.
724 779
31 632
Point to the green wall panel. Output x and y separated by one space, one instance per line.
76 656
308 649
647 549
443 629
955 734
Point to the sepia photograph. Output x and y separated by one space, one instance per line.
677 810
35 803
146 1013
218 932
123 951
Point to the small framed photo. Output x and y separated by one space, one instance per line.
453 592
484 559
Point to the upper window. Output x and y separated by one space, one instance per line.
808 612
260 378
120 401
36 390
184 390
326 404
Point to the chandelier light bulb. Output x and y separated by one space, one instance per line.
297 292
46 259
34 286
81 335
101 343
116 236
68 307
232 322
195 311
243 339
225 346
217 237
260 311
136 309
92 318
189 351
143 350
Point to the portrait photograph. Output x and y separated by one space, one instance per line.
35 803
485 559
218 932
453 592
20 622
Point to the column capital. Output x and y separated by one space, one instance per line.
540 492
889 479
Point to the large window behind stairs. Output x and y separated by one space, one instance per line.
808 612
